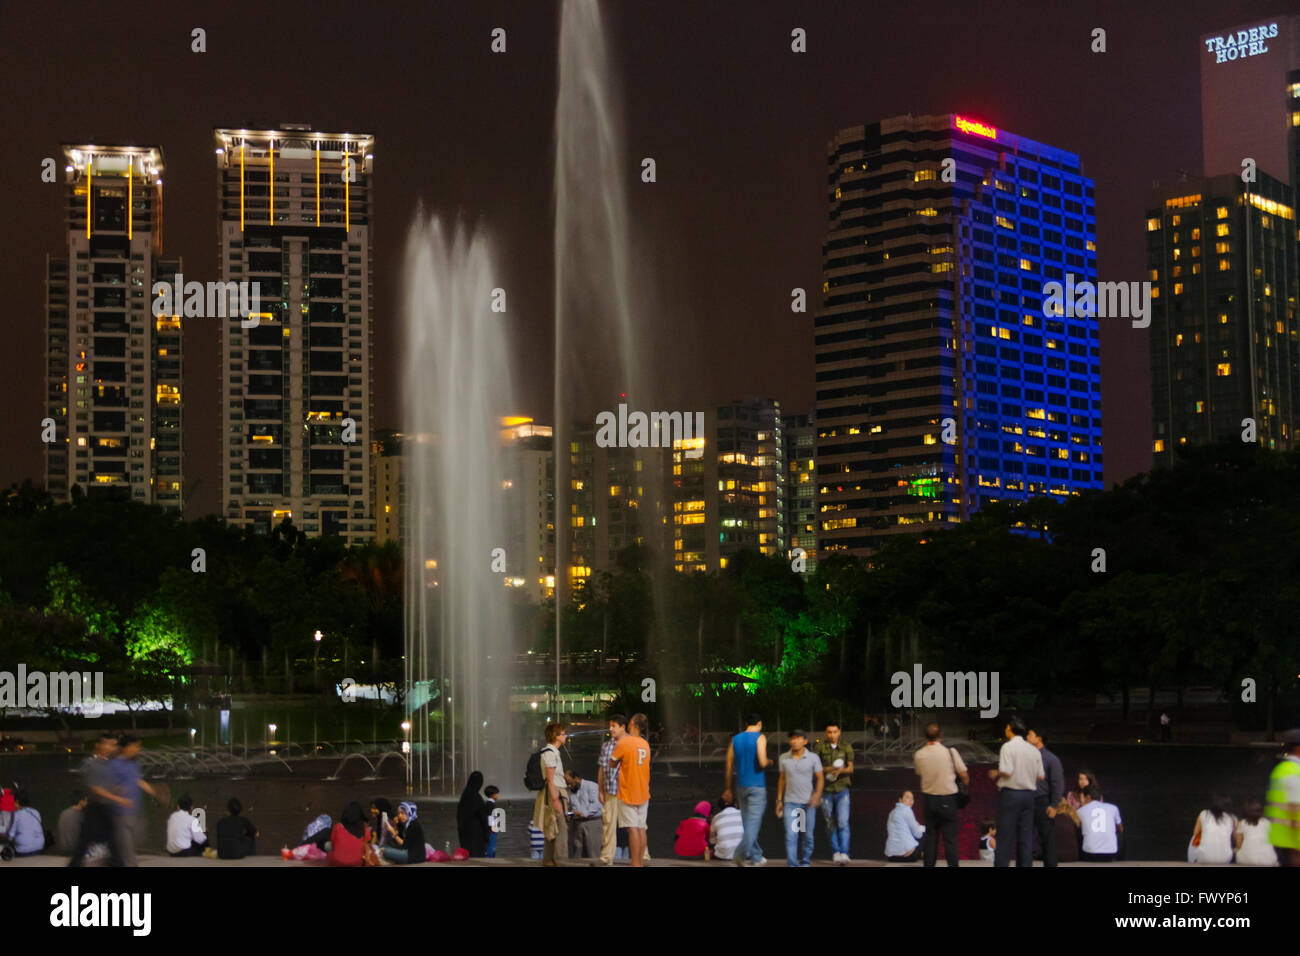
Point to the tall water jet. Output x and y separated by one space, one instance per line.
460 640
595 316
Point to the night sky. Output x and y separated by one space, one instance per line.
736 122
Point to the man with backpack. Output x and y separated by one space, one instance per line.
546 767
939 767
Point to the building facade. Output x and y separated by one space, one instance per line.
941 383
801 486
295 213
113 368
1224 346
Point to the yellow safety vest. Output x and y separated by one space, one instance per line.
1284 829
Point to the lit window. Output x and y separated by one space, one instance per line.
1004 222
1224 370
1153 225
1178 288
1200 407
1221 212
1221 229
1224 265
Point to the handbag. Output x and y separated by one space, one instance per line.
963 789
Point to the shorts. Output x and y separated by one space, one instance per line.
633 815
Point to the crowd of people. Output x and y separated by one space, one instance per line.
606 818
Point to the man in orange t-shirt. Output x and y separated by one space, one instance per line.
631 756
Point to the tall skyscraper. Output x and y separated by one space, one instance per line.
113 370
801 486
295 212
943 232
1224 345
529 493
731 497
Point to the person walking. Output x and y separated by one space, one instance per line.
130 782
632 754
585 817
97 824
798 793
550 810
1283 802
1212 837
939 768
1047 795
746 758
837 764
1020 767
607 780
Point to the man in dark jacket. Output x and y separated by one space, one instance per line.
236 835
1047 796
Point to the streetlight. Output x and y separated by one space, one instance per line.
406 753
192 733
315 661
270 735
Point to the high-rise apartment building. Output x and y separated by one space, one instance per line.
388 485
295 212
941 384
529 492
801 485
731 497
113 369
1224 344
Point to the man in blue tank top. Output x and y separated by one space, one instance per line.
746 758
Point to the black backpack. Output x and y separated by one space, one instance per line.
534 779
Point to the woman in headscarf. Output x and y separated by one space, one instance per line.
407 836
317 832
472 817
349 837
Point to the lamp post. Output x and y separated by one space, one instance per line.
192 733
315 663
406 753
270 735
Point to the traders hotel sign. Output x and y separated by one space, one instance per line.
1241 44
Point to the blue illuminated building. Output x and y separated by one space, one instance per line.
941 383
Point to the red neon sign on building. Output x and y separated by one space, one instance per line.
976 127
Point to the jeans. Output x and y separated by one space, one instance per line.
751 802
940 820
97 826
395 854
1015 827
1046 829
800 841
835 808
491 846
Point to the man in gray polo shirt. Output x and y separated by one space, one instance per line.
1020 767
799 794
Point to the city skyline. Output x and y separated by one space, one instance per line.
677 218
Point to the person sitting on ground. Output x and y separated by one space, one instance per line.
902 843
693 834
490 799
988 841
1101 825
69 827
726 830
1085 778
349 837
407 844
1253 846
25 830
236 835
381 814
184 835
1212 837
471 817
318 832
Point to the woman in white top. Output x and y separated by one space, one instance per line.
1214 827
1253 848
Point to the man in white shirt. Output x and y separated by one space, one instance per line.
1101 825
184 835
1020 767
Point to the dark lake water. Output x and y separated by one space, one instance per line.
1159 791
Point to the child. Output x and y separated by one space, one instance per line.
988 840
693 833
536 840
490 796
